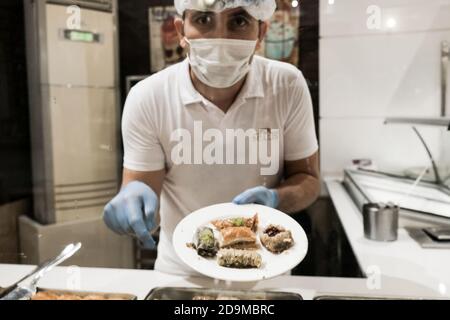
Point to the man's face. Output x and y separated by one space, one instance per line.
229 24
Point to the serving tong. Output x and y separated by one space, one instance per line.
26 291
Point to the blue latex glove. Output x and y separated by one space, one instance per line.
259 195
132 212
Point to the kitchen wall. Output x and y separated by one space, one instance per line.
445 157
379 58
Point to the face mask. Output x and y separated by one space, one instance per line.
220 63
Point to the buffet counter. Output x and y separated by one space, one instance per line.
403 258
141 282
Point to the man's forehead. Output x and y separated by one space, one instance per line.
224 13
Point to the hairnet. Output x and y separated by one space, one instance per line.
259 9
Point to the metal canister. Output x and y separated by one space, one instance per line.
380 221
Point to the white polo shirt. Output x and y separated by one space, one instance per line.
163 111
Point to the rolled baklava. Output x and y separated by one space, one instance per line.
206 244
236 258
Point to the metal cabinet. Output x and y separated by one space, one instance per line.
74 111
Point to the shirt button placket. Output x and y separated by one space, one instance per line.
214 113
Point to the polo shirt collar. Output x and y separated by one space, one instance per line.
187 91
253 87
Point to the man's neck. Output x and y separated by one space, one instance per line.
222 98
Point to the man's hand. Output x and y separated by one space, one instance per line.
132 212
259 195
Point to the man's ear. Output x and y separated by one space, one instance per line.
263 27
179 27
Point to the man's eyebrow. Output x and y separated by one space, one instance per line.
241 12
197 13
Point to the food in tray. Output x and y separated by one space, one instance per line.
237 258
223 297
48 295
206 243
219 297
200 297
276 239
238 238
251 223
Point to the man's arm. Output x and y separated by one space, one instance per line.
153 179
301 186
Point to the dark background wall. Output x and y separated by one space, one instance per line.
135 38
309 49
15 156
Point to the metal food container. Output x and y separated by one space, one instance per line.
173 293
380 221
83 294
366 297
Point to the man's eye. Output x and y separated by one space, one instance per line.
239 22
203 20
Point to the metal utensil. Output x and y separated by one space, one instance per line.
17 292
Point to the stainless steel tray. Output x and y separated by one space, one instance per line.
363 297
107 296
174 293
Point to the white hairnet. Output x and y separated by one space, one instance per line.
259 9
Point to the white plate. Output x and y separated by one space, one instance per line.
272 265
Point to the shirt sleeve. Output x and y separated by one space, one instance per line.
142 148
300 139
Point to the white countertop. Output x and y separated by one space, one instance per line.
140 282
403 259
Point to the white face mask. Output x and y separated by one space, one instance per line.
220 63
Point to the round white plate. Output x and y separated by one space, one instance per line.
272 264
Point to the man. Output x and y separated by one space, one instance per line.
184 128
